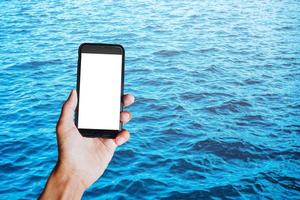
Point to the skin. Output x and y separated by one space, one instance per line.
81 160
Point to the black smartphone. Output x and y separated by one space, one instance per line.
100 82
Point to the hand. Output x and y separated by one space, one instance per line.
82 160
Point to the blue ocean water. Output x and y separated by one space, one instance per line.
217 112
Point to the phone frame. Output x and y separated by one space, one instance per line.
104 49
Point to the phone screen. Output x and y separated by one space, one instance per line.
100 91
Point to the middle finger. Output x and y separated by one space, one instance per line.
125 116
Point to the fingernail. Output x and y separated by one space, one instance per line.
126 117
121 140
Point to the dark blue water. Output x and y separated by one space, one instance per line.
217 113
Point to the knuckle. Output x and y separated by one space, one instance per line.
59 126
66 105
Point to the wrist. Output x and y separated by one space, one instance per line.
63 185
70 174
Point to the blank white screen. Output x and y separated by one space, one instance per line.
100 88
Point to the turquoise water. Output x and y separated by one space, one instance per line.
217 113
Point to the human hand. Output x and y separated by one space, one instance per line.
82 160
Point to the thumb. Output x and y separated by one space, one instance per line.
68 110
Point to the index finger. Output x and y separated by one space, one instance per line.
127 99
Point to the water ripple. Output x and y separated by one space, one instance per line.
216 85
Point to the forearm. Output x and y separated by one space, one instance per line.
62 185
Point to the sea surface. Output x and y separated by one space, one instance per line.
217 112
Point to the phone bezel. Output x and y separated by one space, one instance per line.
107 49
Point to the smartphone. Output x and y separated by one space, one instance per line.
100 82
